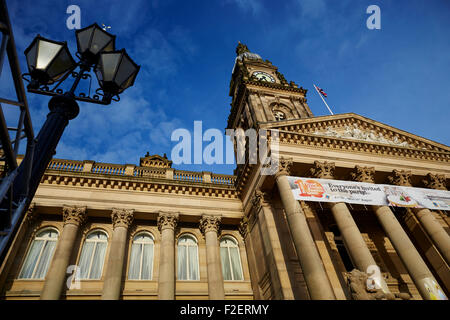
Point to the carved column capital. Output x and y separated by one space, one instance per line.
435 181
167 220
400 178
243 227
30 216
323 170
209 223
74 215
284 167
260 199
363 174
122 218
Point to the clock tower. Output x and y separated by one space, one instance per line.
261 96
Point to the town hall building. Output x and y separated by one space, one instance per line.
150 231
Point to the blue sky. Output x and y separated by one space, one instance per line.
398 75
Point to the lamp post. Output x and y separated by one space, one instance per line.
50 64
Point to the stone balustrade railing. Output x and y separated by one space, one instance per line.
188 176
136 171
65 165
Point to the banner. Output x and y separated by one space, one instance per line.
324 190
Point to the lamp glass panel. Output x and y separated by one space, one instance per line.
31 56
47 52
129 82
99 40
61 64
109 47
109 65
125 70
83 39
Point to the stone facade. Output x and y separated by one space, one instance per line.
286 249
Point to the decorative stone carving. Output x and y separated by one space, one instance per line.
209 223
243 227
363 174
260 199
74 215
357 282
284 167
400 178
241 48
354 132
307 209
167 220
323 170
31 214
435 181
122 217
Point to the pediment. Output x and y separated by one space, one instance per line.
155 161
353 127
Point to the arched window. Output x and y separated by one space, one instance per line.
39 255
231 260
93 255
279 115
187 258
141 258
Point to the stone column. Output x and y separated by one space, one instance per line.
354 242
55 280
167 223
434 229
209 226
121 220
412 260
277 266
316 278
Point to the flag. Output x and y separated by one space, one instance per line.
321 92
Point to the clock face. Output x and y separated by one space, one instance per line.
262 76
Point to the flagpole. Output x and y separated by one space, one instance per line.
323 99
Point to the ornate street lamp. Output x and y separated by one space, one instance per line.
50 64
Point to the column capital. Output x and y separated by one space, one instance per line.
122 217
323 170
260 199
209 223
284 167
167 220
400 178
363 174
74 215
30 216
435 181
243 227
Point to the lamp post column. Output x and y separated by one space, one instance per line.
209 226
167 223
54 282
316 278
62 109
121 220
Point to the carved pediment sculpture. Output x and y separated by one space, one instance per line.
354 132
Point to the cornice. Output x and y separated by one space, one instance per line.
132 183
314 124
347 145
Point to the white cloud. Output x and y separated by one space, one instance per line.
248 6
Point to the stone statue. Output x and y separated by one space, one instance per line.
362 289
